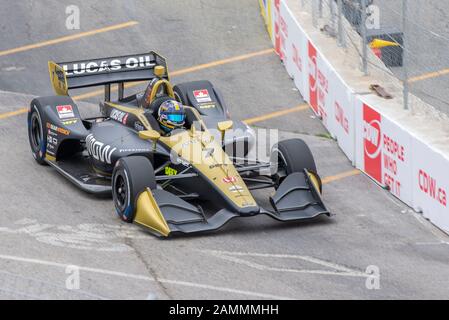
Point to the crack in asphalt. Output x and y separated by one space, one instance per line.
151 271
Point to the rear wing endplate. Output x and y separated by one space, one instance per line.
106 71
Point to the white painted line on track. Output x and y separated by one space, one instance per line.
337 270
145 278
86 236
432 243
10 284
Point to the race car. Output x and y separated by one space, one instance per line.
195 179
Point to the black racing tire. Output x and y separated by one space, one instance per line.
181 95
294 155
130 177
36 134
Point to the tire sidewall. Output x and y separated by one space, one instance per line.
295 154
39 154
138 174
128 212
180 95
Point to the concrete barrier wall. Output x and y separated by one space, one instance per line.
377 144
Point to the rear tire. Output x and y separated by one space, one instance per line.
131 176
180 95
36 135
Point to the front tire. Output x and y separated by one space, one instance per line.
131 176
292 155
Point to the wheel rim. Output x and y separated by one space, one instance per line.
121 192
36 132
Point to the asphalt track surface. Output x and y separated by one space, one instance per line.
46 224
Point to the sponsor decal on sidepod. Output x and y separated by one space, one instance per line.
119 116
98 150
53 128
202 95
65 111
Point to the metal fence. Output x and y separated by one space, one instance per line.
404 42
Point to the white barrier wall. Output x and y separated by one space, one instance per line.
312 75
293 49
341 114
394 158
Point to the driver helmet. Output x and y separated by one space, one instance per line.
171 115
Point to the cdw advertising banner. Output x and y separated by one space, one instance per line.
430 184
319 85
293 48
316 80
301 59
384 151
280 29
341 114
331 99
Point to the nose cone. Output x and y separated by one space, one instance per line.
249 211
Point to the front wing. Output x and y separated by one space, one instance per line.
165 214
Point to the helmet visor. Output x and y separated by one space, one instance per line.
175 117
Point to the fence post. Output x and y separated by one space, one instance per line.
314 13
405 54
364 39
340 36
332 12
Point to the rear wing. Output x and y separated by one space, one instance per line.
106 71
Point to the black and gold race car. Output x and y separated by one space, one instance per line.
195 179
